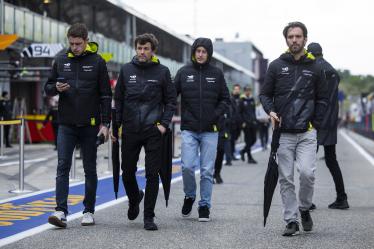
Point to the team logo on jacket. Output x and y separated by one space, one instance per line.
210 80
132 79
67 67
87 68
190 78
284 70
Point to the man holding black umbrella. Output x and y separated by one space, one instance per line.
145 101
294 94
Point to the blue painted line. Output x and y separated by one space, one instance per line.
20 212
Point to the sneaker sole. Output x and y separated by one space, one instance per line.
186 215
290 235
53 220
204 219
88 224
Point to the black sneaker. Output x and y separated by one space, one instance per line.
204 214
291 229
339 204
133 211
228 164
187 206
252 161
218 179
312 208
149 224
306 220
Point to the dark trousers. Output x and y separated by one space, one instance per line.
333 166
6 135
249 138
264 134
235 134
68 137
218 162
131 145
55 132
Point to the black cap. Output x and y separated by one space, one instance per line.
315 49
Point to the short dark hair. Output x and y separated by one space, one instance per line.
295 25
236 85
78 30
147 37
4 93
247 88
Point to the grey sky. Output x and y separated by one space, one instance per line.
344 28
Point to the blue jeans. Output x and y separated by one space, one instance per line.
192 144
68 137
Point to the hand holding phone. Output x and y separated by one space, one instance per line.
61 85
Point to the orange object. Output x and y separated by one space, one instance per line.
6 40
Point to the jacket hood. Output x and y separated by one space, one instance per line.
91 48
306 58
154 61
315 49
205 43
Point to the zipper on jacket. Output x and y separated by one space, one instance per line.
201 99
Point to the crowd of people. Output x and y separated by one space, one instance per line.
295 96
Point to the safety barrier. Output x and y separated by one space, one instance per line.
21 123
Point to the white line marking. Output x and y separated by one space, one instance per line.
358 147
26 161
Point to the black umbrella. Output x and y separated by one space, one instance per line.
166 163
271 176
115 154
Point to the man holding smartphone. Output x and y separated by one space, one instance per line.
81 80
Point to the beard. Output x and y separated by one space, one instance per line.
295 49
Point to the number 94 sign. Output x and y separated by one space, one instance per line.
42 50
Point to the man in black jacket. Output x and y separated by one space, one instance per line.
204 98
6 114
236 120
248 115
80 78
145 102
327 134
294 94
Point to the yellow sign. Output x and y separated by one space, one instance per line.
6 40
10 122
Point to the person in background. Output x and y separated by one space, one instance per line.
263 125
327 134
6 114
248 115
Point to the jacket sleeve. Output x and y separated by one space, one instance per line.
321 99
119 94
105 92
169 100
267 90
223 98
50 85
177 82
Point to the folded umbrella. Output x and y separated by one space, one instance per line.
271 176
165 172
115 155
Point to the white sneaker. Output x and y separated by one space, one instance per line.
88 219
58 219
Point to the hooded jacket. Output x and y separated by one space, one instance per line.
88 100
297 91
144 95
203 90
